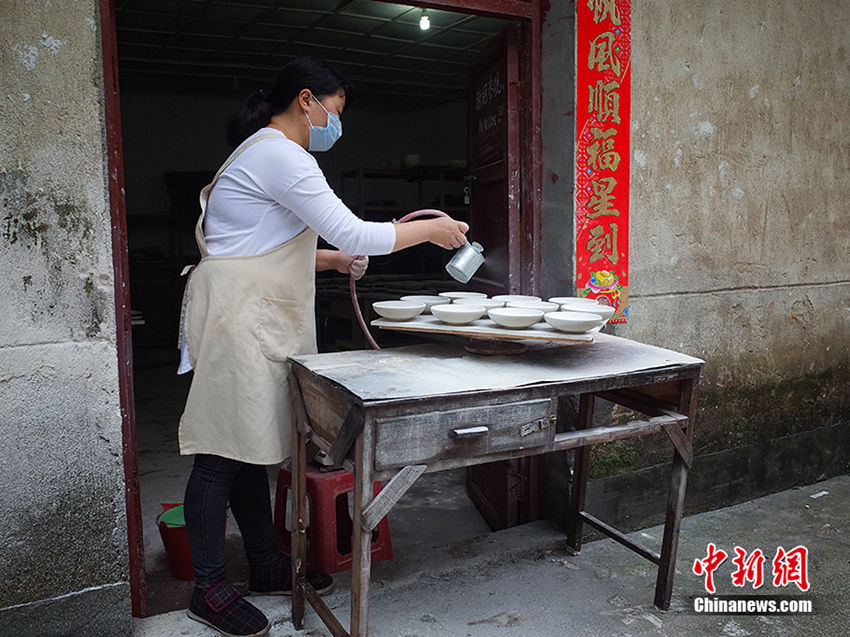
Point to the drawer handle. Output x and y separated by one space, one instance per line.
470 432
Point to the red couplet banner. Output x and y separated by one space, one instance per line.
603 100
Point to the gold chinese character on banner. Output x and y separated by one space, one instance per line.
604 101
603 243
601 8
601 153
601 55
602 201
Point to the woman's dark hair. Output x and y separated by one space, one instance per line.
300 73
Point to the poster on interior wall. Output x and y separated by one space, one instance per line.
603 100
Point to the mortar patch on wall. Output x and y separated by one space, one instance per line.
47 222
53 44
28 216
97 299
27 55
803 312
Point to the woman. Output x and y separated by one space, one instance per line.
249 304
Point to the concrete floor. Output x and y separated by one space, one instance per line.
452 577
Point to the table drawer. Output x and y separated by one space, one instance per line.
457 433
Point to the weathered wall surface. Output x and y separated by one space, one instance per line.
739 224
63 562
740 184
558 126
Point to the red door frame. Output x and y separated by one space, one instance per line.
530 13
123 326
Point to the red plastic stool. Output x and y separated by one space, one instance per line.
329 526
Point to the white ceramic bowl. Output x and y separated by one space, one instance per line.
463 295
478 301
457 314
561 300
398 310
573 322
507 298
426 299
515 318
605 311
543 306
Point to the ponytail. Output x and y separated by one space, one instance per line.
255 112
304 72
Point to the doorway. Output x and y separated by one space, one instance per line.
184 67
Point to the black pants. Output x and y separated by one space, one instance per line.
214 482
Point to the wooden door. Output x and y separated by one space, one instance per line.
494 166
504 492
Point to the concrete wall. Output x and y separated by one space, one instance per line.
63 565
739 223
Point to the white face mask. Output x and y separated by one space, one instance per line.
323 137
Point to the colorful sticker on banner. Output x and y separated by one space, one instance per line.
603 100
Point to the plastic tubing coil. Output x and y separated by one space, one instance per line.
425 212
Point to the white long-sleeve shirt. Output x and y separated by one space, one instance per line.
271 193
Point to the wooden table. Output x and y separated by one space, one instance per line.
395 414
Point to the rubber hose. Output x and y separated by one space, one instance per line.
425 212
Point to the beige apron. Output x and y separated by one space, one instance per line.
242 318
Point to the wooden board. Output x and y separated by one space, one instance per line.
485 329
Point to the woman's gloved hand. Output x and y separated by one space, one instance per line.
357 267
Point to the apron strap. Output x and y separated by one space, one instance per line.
199 226
205 192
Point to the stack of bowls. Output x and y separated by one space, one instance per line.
573 322
512 298
487 304
398 310
543 306
457 313
580 304
454 296
515 318
511 311
462 308
428 300
577 315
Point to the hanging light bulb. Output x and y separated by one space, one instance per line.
424 21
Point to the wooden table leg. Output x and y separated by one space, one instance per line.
672 522
361 540
675 504
299 525
579 481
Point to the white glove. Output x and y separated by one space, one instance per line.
357 267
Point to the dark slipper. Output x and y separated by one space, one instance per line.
223 608
275 578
